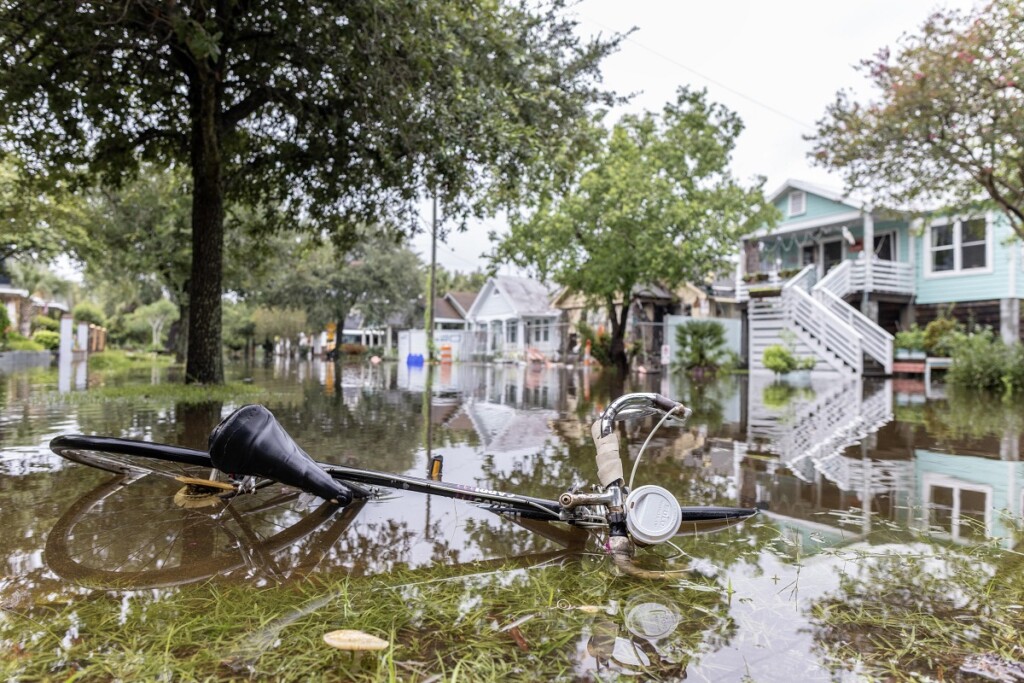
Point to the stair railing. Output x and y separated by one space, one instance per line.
824 326
877 343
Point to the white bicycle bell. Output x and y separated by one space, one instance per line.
652 515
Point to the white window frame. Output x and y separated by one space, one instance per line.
958 269
541 328
957 485
793 195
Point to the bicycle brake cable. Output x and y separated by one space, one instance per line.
636 463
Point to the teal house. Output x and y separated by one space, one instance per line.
836 278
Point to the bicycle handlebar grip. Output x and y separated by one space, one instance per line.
250 441
609 464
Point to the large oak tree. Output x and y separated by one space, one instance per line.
334 112
943 129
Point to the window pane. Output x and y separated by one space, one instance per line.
942 495
942 235
942 259
973 501
972 526
941 513
973 231
973 256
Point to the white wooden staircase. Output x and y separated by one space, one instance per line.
818 322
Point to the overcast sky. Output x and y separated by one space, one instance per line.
777 65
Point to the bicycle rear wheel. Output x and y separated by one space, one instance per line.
133 458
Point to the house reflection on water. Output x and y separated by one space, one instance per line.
834 458
839 459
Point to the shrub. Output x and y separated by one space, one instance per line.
979 362
16 342
779 359
86 312
701 345
45 322
47 338
912 339
941 335
5 325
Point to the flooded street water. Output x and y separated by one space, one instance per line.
887 542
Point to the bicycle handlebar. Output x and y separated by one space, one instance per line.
634 406
626 407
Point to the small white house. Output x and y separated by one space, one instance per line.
513 319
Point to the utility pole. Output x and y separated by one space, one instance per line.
433 283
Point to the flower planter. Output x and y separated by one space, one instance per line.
764 292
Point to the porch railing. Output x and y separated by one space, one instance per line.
851 277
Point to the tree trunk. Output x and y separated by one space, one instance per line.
617 349
177 335
204 364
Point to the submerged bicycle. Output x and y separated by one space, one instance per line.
250 451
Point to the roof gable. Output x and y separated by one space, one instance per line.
521 296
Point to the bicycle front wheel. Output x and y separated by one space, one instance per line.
133 458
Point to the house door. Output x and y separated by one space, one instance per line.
885 246
831 254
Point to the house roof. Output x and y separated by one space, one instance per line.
444 310
525 297
566 299
9 291
462 301
822 191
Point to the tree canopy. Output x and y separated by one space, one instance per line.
655 203
943 129
338 112
37 225
378 277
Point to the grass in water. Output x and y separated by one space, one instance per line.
115 359
901 616
168 392
110 370
508 623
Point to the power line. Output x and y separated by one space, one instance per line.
734 91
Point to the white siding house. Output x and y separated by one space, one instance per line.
513 319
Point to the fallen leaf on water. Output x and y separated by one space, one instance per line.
349 639
591 609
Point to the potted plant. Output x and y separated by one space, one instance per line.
909 344
780 359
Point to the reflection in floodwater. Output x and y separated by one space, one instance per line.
886 514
